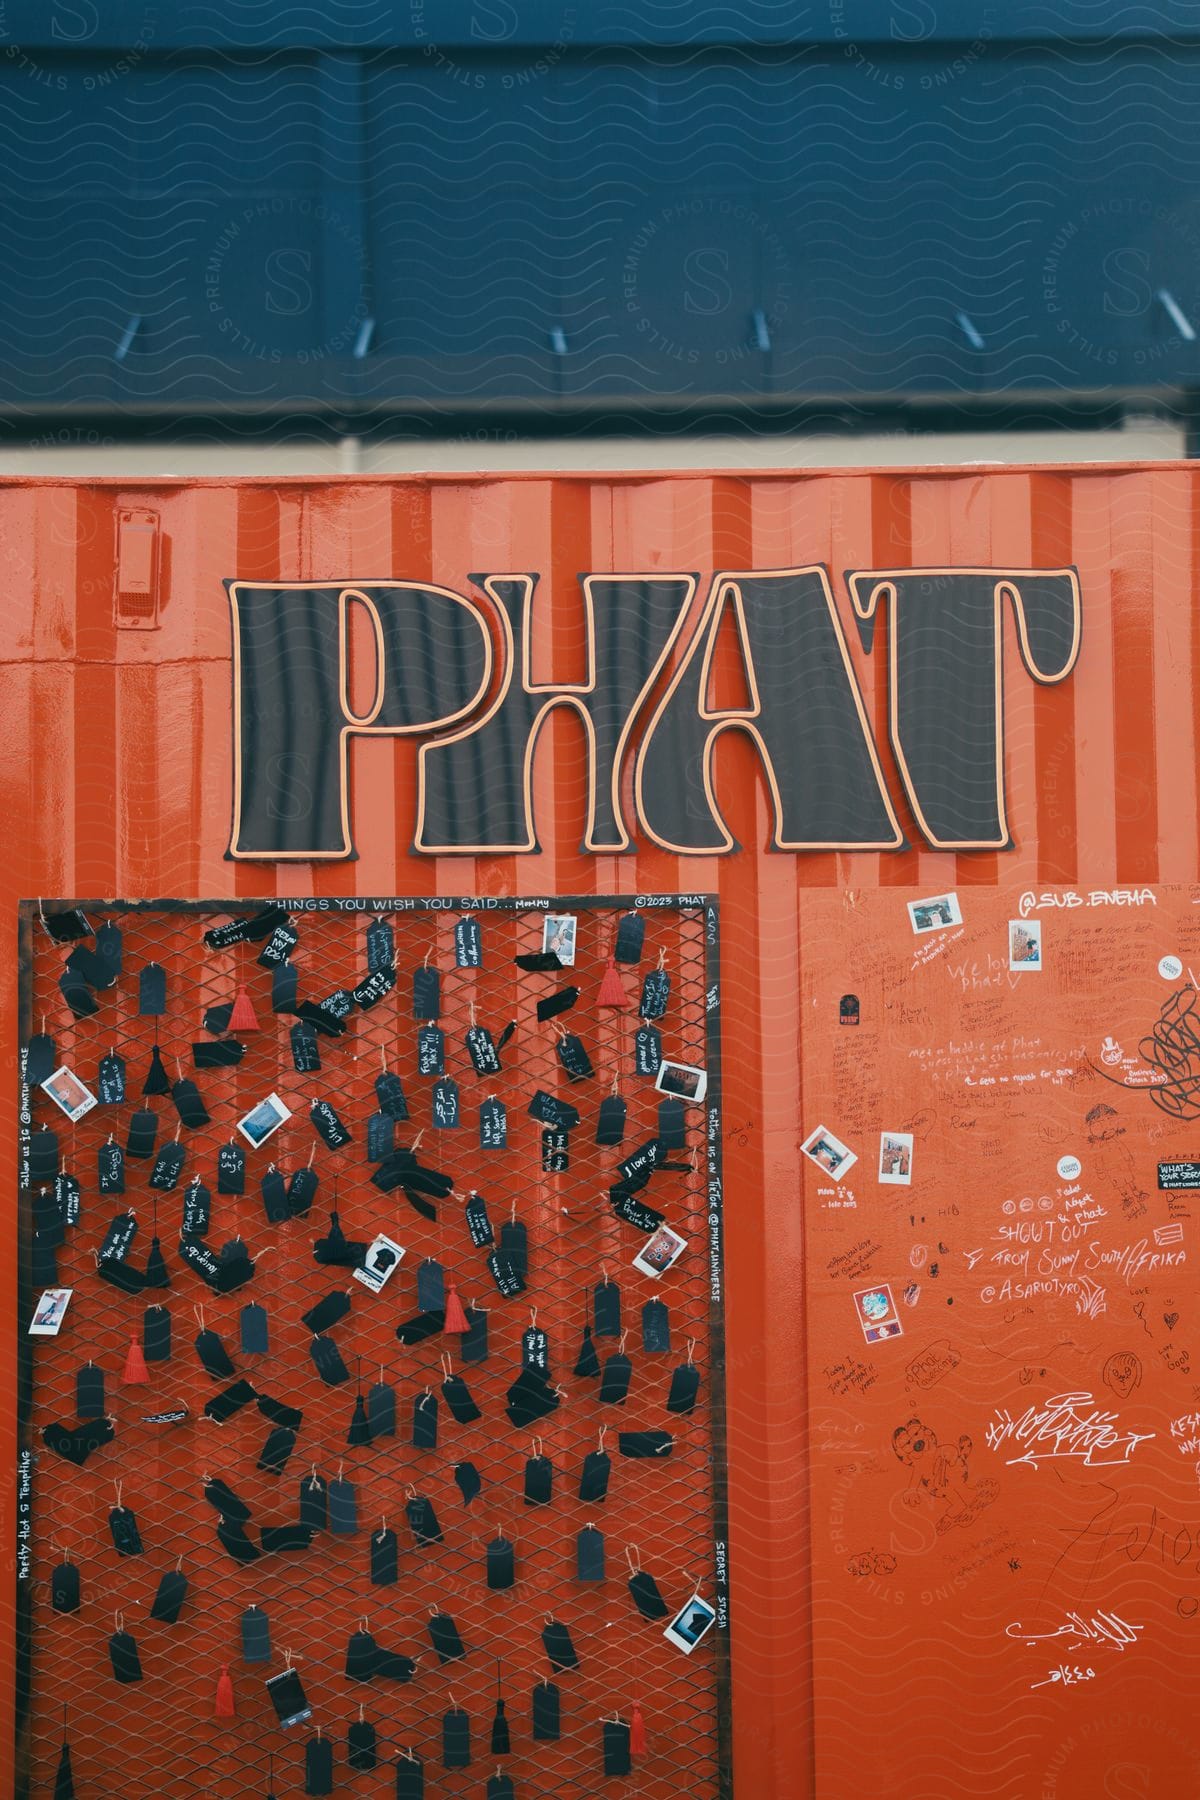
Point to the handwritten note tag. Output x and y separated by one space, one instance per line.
656 990
493 1125
647 1050
111 1081
574 1058
381 946
197 1209
279 945
431 1051
390 1095
556 1152
327 1124
482 1051
110 1168
508 1281
168 1167
66 1194
468 944
478 1224
306 1051
231 1169
445 1104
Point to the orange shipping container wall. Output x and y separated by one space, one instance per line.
894 1673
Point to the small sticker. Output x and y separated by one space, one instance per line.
934 914
1170 968
381 1261
877 1313
1069 1168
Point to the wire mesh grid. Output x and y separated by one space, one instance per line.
162 1734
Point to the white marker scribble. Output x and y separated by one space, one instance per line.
1101 1628
1060 1429
1067 1676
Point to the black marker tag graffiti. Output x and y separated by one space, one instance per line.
381 946
628 1207
478 1223
67 1197
168 1167
381 1136
445 1104
197 1210
231 1169
656 991
507 1281
110 1167
306 1050
301 1192
610 1125
482 1051
118 1238
556 1152
535 1350
647 1050
574 1058
327 1125
390 1095
637 1169
111 1082
427 992
279 945
371 990
630 935
468 944
656 1327
493 1125
431 1051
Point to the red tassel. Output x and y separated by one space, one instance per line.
135 1365
456 1318
612 991
224 1707
242 1018
637 1733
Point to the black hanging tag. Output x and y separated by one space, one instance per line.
67 1196
343 1507
615 1743
493 1125
301 1192
445 1113
645 1444
216 1018
213 1355
390 1095
553 1111
556 1151
459 1403
156 1334
587 1363
501 1740
423 1520
422 1326
327 1360
468 943
224 1055
143 1129
627 1206
110 948
77 995
64 927
456 1739
500 1563
123 1527
593 1476
306 1049
48 1220
362 1655
562 1000
445 1637
274 1196
539 1481
285 987
152 990
327 1125
610 1123
615 1378
478 1224
248 927
637 1168
545 1714
64 1588
631 932
168 1167
359 1432
589 1554
326 1312
410 1777
643 1590
360 1745
385 1561
672 1125
111 1080
481 1049
507 1281
197 1210
573 1057
381 1137
685 1385
124 1658
189 1103
656 1327
118 1239
381 1411
221 1496
431 1050
431 1285
647 1050
473 1345
381 946
535 1349
231 1169
279 946
89 1391
256 1635
157 1273
539 962
556 1641
372 988
337 1007
255 1336
336 1247
656 991
425 1422
44 1155
606 1298
318 1766
426 993
530 1398
314 1503
86 966
41 1060
279 1413
229 1402
321 1017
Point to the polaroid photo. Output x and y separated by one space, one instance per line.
682 1080
1024 944
877 1313
50 1313
381 1261
934 914
288 1698
690 1624
257 1125
660 1252
68 1092
828 1152
895 1157
558 937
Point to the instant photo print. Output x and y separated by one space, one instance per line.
934 914
257 1125
682 1081
558 937
380 1263
690 1624
50 1312
660 1252
68 1093
828 1152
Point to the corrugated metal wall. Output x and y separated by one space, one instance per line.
116 781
